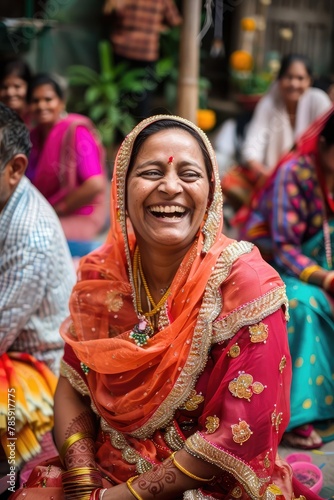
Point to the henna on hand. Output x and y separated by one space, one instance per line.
82 452
155 480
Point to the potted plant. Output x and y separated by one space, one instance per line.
107 97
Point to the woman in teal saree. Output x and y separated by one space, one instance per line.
292 222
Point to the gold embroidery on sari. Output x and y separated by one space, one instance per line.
129 454
276 419
236 492
266 461
282 364
173 438
199 447
241 432
196 495
163 320
74 378
114 301
273 488
193 402
211 424
258 333
250 314
243 387
234 351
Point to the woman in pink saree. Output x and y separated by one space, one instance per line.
176 375
67 161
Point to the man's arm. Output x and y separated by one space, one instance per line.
23 279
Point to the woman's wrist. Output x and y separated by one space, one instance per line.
81 482
328 282
308 271
61 208
70 441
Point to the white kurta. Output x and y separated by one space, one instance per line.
270 133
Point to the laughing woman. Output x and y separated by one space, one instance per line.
176 371
67 161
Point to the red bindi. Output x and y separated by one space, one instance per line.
170 160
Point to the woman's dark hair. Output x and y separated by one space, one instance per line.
45 79
164 125
328 131
17 67
290 59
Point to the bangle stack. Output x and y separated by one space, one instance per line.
306 273
130 488
71 440
188 473
328 282
97 494
79 482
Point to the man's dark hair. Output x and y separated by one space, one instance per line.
14 136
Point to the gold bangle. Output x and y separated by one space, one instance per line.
130 488
327 280
306 273
71 440
187 473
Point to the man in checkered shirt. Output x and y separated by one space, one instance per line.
36 269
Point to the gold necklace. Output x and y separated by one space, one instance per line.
158 306
142 332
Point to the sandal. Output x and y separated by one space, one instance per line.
304 437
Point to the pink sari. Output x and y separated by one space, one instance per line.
54 171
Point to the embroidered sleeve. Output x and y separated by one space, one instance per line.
246 406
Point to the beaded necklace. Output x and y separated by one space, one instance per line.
156 307
144 330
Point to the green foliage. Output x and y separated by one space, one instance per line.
250 83
109 96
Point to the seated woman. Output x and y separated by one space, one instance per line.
67 161
293 225
176 374
15 76
280 117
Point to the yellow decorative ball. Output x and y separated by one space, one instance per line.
206 119
248 24
240 60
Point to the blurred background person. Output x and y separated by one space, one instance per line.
293 226
15 76
135 27
67 161
280 117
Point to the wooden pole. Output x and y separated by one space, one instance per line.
189 60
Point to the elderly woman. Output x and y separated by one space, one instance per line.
67 161
176 371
